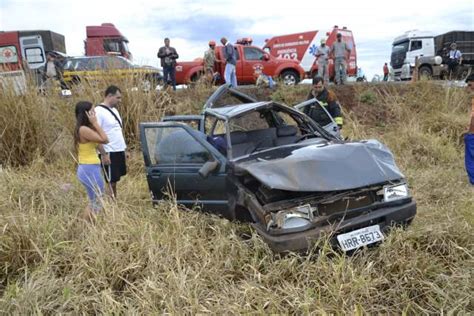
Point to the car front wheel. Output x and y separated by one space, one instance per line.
290 77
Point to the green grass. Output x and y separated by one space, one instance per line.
142 260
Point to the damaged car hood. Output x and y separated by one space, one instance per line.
323 166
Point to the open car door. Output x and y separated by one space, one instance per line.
332 127
179 159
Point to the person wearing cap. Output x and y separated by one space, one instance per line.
469 136
454 59
209 61
340 52
322 57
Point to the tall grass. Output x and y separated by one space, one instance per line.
142 260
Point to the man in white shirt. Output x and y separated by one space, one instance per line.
113 156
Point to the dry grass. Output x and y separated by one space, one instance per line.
143 260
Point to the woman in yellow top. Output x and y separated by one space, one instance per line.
87 135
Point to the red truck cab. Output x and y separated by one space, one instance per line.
251 60
106 39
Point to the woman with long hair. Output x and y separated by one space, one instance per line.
87 135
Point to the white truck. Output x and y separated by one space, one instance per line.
431 52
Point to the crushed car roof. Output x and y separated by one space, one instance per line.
239 109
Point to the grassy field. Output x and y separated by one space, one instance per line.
142 260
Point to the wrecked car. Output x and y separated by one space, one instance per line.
271 165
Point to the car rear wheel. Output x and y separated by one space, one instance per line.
290 77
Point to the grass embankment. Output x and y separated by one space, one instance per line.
141 260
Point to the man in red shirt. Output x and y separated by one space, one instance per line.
385 72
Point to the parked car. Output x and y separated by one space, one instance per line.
272 165
77 69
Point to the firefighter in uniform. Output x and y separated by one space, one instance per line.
328 99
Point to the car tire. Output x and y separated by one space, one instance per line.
425 72
290 77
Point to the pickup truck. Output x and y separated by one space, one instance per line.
250 60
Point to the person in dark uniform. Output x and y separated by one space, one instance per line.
328 99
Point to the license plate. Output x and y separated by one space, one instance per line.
361 237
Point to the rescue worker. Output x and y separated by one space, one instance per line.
340 52
455 59
328 99
469 136
209 62
322 55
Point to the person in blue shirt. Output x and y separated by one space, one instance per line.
469 137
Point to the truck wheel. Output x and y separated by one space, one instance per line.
425 72
290 77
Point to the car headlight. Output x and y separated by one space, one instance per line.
297 217
392 193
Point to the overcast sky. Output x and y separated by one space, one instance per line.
190 24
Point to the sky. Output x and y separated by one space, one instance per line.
191 24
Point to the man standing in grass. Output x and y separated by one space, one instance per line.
469 137
112 155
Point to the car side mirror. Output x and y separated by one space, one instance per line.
207 168
266 57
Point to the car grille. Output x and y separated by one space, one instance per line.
346 203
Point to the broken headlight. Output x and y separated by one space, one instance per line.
392 193
296 217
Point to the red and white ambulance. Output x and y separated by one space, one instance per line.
302 47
